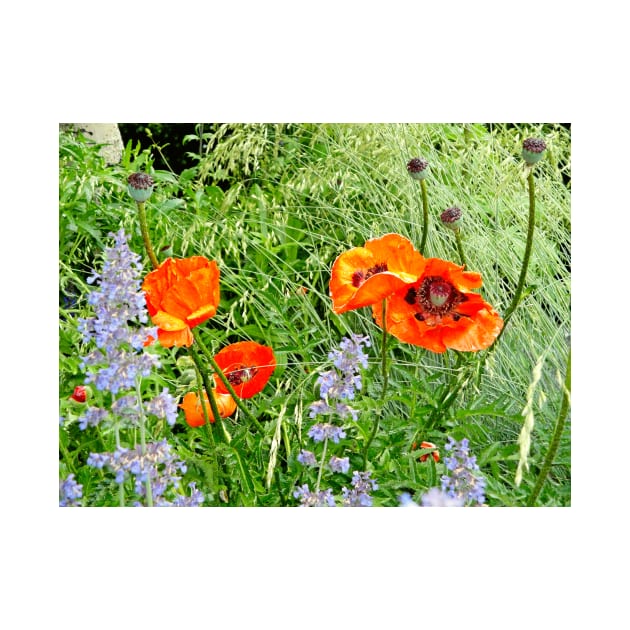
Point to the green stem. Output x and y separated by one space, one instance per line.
321 465
142 219
121 486
143 442
248 414
460 249
209 387
425 215
528 246
385 382
526 257
557 434
213 404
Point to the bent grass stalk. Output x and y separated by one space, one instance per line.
557 434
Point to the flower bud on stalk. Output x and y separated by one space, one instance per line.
533 149
140 186
417 168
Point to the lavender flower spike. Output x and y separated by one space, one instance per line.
465 480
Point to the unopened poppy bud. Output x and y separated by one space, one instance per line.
533 149
80 394
452 218
140 186
417 168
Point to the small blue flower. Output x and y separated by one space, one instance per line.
339 385
69 492
359 496
164 406
319 432
438 498
339 464
465 480
307 458
405 500
323 498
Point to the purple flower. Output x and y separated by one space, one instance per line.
92 416
339 464
438 498
339 385
69 492
117 328
359 496
464 481
307 458
164 406
319 432
195 499
323 498
405 500
158 465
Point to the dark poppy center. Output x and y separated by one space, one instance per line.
435 296
241 374
361 275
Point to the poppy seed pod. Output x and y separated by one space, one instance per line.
452 218
140 186
417 168
533 149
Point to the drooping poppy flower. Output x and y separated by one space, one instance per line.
423 458
191 404
181 293
247 366
438 311
366 275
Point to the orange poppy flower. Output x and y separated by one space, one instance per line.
438 311
363 276
423 458
181 293
194 412
247 366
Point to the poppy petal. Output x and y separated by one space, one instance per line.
247 365
363 276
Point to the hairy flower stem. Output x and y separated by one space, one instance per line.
142 219
557 434
385 382
526 256
143 439
321 465
425 215
460 249
248 414
208 385
215 411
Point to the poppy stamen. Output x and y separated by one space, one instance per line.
437 296
242 374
